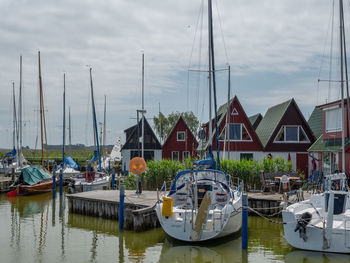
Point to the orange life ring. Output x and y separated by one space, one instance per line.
137 165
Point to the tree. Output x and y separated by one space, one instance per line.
163 125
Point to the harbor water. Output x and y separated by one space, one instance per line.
40 229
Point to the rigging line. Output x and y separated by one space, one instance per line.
199 60
87 118
222 32
331 21
191 53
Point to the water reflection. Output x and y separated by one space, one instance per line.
40 228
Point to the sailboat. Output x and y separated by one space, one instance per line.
69 167
202 204
35 179
91 179
322 223
9 161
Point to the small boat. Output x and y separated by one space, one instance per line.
200 205
89 181
32 180
321 223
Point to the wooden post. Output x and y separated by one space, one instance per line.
121 206
61 181
54 183
245 221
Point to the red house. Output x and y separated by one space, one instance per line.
285 133
328 147
241 140
181 143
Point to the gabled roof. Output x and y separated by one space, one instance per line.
221 116
255 120
172 129
132 131
271 120
315 122
328 146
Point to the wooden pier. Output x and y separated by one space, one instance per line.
5 183
139 214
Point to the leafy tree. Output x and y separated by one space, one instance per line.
163 125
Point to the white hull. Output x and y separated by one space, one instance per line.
81 185
318 237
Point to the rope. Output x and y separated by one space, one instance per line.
265 217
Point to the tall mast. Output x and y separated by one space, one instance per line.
209 75
14 116
70 133
41 112
227 131
64 121
342 80
104 130
95 122
20 113
214 82
143 106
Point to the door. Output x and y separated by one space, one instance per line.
302 163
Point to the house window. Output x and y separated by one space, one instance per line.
291 134
247 156
333 120
148 155
181 136
234 112
185 155
175 156
237 132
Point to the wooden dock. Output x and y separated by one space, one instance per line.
5 183
139 213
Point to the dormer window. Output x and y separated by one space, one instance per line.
292 134
333 120
181 135
237 132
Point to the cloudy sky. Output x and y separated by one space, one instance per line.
276 49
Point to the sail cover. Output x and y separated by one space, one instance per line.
33 175
70 163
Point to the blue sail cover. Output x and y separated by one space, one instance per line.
94 158
208 162
12 153
71 163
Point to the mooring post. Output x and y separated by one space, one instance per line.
61 181
54 183
113 180
121 206
244 221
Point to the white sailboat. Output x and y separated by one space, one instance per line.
322 223
202 204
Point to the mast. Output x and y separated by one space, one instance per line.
20 113
95 122
211 44
227 131
64 120
70 133
342 81
143 106
209 74
14 116
41 113
104 130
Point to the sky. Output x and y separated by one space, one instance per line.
277 50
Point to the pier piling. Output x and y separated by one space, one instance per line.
245 221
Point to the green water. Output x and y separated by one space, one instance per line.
40 229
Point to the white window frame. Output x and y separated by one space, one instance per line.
242 125
285 134
172 155
234 112
183 155
336 129
177 136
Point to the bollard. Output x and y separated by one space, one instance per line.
113 180
61 182
245 221
54 184
121 206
